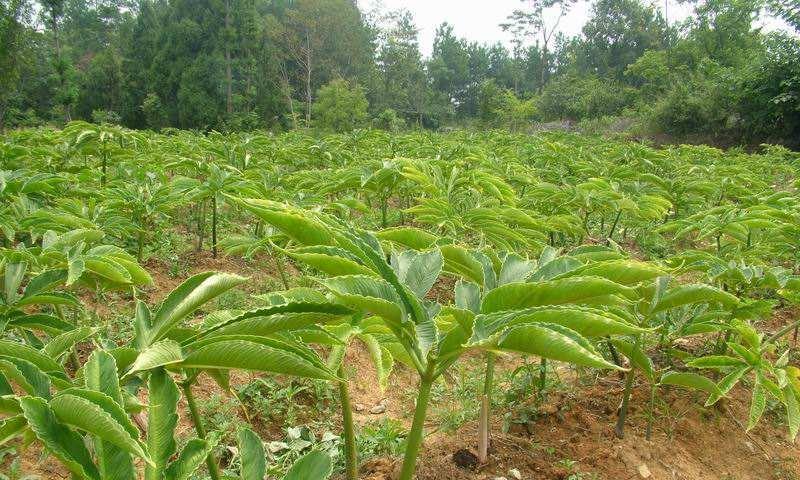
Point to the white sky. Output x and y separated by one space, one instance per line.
479 20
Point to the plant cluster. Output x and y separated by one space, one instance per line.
424 248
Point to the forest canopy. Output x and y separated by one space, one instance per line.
239 65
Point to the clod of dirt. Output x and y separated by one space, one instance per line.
359 407
465 459
515 474
377 409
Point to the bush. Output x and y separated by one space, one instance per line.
103 116
577 98
697 107
389 120
499 107
340 107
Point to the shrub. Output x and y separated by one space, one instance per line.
577 98
340 106
389 120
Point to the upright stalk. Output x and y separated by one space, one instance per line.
214 226
350 451
542 378
614 225
623 409
484 425
105 163
211 462
417 433
783 331
651 415
140 246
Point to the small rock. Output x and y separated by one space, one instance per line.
465 459
515 473
499 478
359 407
750 446
377 409
644 472
548 409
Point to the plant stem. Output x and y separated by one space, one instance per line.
211 462
614 355
140 246
350 451
623 409
484 424
614 225
417 433
279 265
214 226
783 331
542 379
652 413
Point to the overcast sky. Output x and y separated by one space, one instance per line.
478 20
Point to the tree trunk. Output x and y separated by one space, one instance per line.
228 73
308 80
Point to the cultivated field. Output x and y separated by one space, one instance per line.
374 305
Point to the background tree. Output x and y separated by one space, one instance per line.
13 14
340 107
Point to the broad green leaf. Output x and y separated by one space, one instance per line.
553 292
58 439
12 279
554 342
622 271
554 268
790 399
100 415
253 353
100 374
316 465
637 357
297 226
188 297
381 359
24 352
515 269
758 403
330 260
468 296
44 282
715 361
162 418
419 271
691 380
367 294
410 237
253 458
159 354
26 375
12 427
459 261
696 293
189 460
64 342
49 324
107 268
588 322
